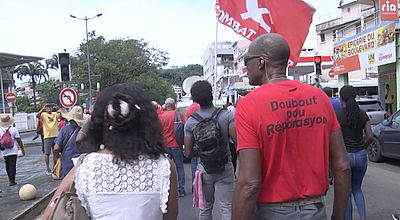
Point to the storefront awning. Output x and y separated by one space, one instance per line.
9 60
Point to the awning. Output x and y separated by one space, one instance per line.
8 59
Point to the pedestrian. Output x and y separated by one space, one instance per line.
129 177
287 133
66 139
334 101
39 132
194 107
355 123
50 129
10 154
389 97
174 150
215 166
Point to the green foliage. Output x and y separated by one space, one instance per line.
49 91
24 104
177 75
118 61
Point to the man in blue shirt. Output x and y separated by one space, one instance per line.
334 101
66 139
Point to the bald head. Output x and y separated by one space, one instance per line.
273 46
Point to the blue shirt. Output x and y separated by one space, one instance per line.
70 151
335 104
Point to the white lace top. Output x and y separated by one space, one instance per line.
137 190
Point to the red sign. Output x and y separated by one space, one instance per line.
389 10
252 18
68 97
10 97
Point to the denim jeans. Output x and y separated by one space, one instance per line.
176 154
358 164
193 165
314 211
220 184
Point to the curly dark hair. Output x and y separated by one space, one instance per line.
125 121
348 95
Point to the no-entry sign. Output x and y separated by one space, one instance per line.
10 97
68 97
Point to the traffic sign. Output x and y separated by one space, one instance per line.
10 97
68 97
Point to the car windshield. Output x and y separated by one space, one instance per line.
369 106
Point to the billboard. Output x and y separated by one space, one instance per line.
372 47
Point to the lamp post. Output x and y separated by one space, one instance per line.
87 52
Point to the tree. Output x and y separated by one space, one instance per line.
24 104
176 76
49 91
35 71
118 61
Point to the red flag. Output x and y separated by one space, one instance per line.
252 18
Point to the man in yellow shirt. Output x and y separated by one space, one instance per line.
389 100
50 130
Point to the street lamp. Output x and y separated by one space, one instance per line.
87 52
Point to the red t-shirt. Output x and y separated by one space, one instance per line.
167 122
291 123
191 109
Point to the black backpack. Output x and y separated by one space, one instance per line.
209 142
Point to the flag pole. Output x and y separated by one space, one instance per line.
215 63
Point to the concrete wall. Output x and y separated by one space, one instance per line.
25 121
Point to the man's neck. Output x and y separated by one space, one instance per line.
273 78
207 106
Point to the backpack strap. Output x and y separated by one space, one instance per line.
178 116
216 113
196 116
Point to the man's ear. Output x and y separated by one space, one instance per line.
261 64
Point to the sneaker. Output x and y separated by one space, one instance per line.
396 216
12 184
181 193
48 172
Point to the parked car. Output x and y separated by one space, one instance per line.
373 108
386 142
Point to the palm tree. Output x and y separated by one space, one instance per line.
34 70
52 63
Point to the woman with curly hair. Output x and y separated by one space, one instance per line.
129 176
354 122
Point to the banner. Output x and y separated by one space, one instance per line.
373 47
389 10
252 18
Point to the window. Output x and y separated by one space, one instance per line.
358 28
322 37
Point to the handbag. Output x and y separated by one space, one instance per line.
68 205
57 168
179 128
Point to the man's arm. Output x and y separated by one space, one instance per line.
341 174
248 184
232 134
21 145
188 142
40 112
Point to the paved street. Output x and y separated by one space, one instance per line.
381 188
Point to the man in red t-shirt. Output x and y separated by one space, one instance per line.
175 151
287 132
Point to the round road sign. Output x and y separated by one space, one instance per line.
10 97
68 97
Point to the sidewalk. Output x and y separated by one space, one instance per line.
30 169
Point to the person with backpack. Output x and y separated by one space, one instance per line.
169 118
8 145
207 132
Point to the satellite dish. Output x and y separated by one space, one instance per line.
188 82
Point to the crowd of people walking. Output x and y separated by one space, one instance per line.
126 160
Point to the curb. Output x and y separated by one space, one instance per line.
31 144
36 208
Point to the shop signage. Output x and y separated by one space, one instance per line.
370 48
389 10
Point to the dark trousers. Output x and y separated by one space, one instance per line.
388 108
11 167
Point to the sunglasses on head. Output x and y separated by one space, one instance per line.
247 58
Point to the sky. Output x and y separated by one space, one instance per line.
183 28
